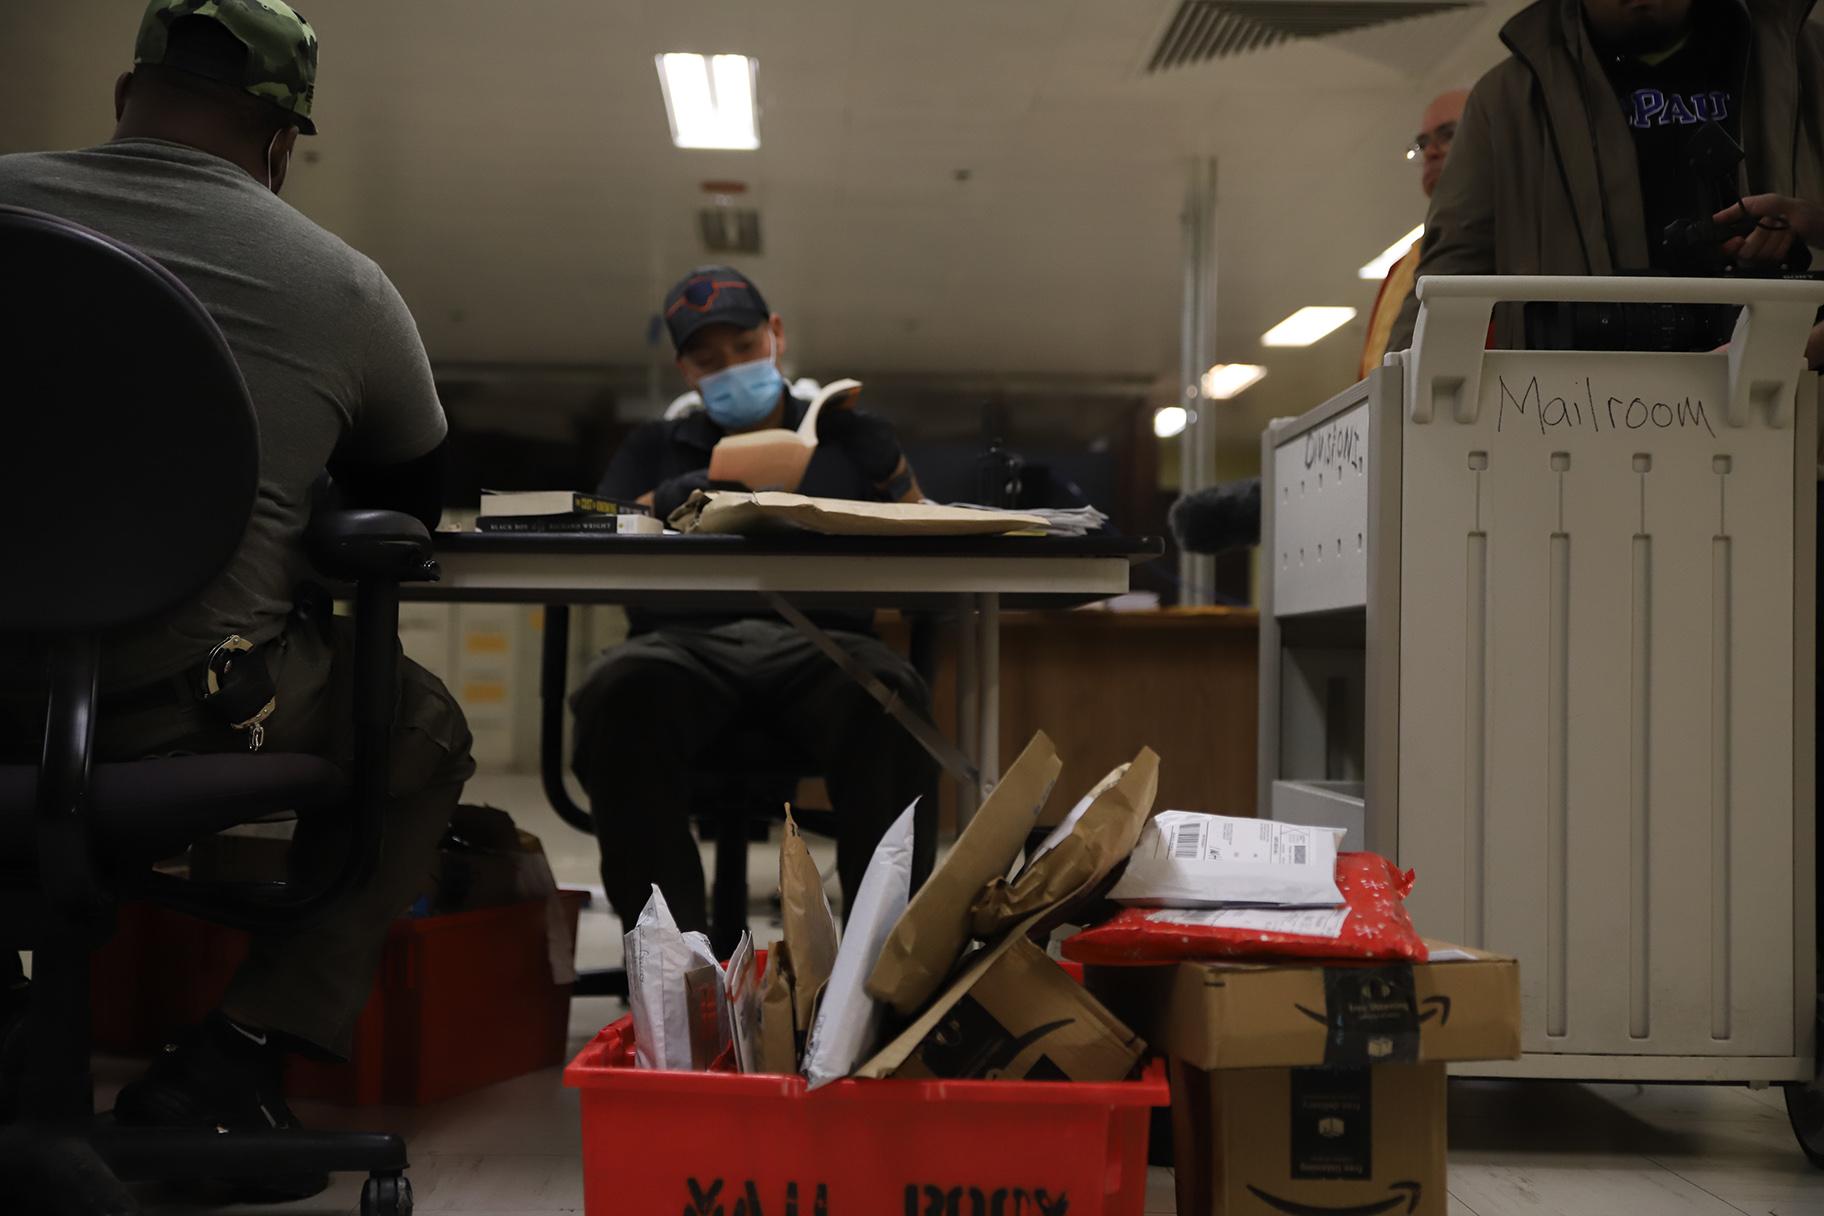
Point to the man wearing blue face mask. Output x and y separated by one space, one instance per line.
729 344
652 709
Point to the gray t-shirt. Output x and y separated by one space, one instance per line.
330 353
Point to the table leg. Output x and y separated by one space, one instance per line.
988 675
968 707
553 676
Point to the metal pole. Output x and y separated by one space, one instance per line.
968 707
988 658
1206 355
1197 446
1189 374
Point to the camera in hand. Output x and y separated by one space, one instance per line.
1692 248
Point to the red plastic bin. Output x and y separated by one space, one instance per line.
460 1001
656 1143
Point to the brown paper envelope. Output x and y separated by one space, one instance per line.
778 1026
924 946
1102 839
810 930
742 513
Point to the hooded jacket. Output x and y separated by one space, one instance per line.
1543 176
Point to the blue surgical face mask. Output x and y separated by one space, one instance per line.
742 396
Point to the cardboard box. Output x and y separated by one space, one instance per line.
1303 1088
1017 1017
1310 1141
1289 1014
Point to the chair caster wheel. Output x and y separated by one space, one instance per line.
387 1195
1805 1110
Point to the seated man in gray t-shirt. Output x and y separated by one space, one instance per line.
339 381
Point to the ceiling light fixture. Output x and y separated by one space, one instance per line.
1308 325
1377 270
710 100
1170 421
1227 380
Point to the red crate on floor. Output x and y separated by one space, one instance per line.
703 1141
460 1001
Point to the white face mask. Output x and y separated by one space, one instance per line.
271 149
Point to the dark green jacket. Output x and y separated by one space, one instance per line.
1542 176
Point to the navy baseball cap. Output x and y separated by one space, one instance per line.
713 295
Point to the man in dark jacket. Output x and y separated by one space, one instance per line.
652 710
1570 158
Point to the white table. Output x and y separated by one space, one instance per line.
974 577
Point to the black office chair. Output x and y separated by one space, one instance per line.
127 478
733 802
736 801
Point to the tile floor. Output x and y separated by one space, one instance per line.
1517 1148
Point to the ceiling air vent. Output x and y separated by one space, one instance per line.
730 229
1202 30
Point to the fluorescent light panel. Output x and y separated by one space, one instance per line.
1227 380
1170 420
1377 270
710 100
1308 325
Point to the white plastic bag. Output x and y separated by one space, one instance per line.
848 1020
1188 860
744 1004
659 961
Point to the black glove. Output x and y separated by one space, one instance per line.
867 439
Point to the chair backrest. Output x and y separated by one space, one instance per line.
129 451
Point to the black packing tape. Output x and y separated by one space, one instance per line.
1332 1134
1372 1016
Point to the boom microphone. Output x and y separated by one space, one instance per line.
1220 518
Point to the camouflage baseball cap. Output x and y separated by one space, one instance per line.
281 47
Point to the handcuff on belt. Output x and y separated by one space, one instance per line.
239 689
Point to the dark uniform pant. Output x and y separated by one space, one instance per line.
309 985
652 710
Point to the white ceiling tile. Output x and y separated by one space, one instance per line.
511 166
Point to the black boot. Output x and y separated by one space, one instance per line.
220 1075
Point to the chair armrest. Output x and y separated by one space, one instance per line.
351 545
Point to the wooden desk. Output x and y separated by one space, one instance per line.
1104 684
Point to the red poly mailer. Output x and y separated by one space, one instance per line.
1371 924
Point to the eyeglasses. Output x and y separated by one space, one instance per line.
1441 136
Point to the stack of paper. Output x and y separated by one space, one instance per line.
1059 521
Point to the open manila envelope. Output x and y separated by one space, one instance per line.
775 459
745 513
931 936
1047 1026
